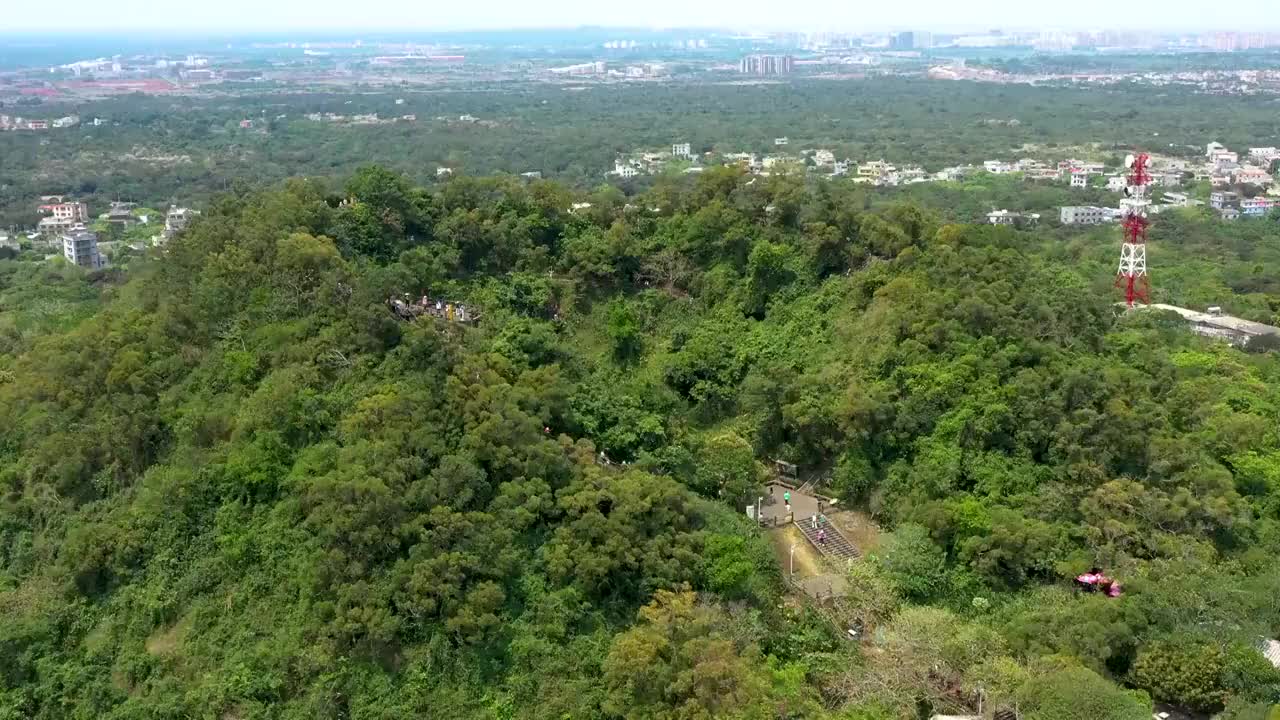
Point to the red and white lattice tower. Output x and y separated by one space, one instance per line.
1132 275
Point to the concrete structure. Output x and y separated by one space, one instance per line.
121 213
997 167
80 247
824 157
1079 179
1224 158
1222 199
1229 214
1179 200
874 169
781 142
1217 325
682 150
1117 183
1085 215
176 220
625 171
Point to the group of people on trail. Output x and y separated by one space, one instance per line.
444 309
818 521
1096 581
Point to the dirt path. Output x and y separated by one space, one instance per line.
808 561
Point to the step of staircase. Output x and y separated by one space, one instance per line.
836 545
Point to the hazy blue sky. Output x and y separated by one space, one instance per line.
487 14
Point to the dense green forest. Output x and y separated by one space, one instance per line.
158 150
234 485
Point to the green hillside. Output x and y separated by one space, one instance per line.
236 485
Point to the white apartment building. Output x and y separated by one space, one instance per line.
1117 183
1079 180
682 150
997 167
824 157
625 171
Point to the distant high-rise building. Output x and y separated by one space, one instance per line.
902 41
1226 42
766 65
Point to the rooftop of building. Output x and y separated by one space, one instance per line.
1217 319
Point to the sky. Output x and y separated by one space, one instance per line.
428 15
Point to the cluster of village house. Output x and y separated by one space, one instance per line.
64 225
13 122
1221 167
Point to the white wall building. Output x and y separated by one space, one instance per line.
682 150
1085 215
1006 217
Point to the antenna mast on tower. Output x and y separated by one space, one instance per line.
1132 275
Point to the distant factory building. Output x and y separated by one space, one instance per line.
591 68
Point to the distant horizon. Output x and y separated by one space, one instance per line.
359 33
844 16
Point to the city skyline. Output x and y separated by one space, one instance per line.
805 15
